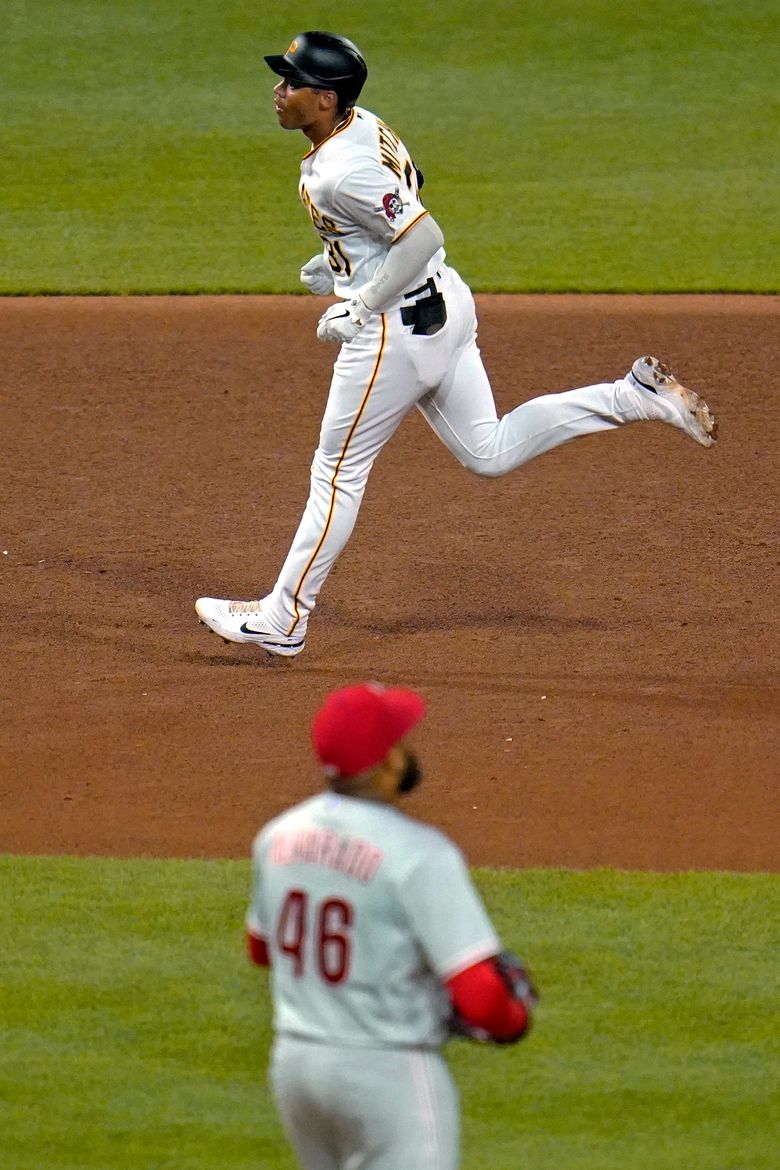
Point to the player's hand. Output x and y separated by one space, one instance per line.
518 979
317 276
344 321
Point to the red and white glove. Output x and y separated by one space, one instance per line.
344 321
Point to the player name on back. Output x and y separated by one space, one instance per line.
353 856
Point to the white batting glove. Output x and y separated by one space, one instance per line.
344 321
317 276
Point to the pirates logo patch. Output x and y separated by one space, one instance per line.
393 204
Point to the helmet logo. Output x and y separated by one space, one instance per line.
293 47
393 204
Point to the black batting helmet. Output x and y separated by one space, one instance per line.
324 61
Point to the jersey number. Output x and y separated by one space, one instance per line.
336 258
334 919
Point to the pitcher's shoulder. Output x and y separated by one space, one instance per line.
427 838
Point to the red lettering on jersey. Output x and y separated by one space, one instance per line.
332 935
291 929
353 856
335 950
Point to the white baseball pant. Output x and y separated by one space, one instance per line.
378 377
366 1108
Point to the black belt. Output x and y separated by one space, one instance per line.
428 315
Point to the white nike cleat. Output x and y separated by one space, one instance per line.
691 413
244 621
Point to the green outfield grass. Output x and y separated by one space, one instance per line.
135 1033
583 146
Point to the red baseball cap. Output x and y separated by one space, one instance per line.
355 727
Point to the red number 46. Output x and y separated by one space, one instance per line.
334 919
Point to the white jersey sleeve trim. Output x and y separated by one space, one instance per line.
366 194
409 227
254 927
469 958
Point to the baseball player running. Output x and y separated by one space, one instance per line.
379 948
407 329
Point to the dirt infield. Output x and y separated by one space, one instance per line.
598 634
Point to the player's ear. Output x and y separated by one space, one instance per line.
396 759
390 772
329 100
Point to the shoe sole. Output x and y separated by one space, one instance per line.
699 421
247 640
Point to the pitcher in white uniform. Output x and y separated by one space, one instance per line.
379 946
408 333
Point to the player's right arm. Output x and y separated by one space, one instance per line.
403 266
408 256
452 927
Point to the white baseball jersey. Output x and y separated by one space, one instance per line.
360 189
365 912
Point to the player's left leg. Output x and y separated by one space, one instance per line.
300 1090
462 411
